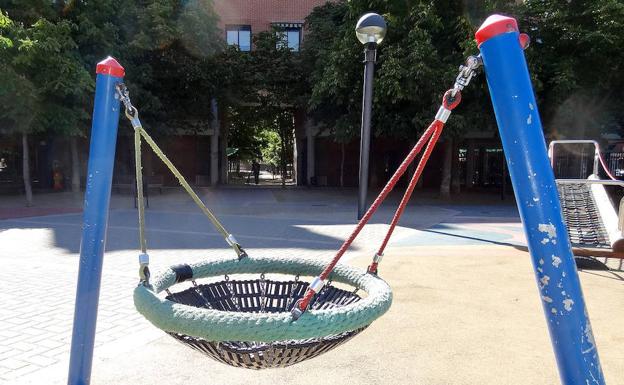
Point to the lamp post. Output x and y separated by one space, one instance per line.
370 31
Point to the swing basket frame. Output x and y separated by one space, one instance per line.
247 323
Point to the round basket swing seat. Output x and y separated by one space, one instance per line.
248 323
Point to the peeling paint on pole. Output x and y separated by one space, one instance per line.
538 201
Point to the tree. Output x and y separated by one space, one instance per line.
18 96
66 95
417 62
268 89
167 46
576 61
44 57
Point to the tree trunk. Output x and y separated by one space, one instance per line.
283 157
455 182
224 165
445 185
342 162
26 170
73 144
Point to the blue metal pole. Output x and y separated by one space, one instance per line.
95 218
538 201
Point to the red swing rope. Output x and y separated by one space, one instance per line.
413 182
431 135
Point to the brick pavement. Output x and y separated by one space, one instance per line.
39 259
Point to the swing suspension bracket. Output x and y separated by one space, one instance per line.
466 72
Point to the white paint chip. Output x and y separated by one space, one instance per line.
567 304
589 336
545 241
548 228
547 299
530 119
535 199
531 106
556 261
553 310
544 281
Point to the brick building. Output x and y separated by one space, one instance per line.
205 160
241 18
317 158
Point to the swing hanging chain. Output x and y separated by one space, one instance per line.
132 114
450 101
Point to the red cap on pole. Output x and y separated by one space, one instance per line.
110 66
494 26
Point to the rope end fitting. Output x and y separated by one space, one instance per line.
450 100
296 311
144 272
240 252
303 303
372 269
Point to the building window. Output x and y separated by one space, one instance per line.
289 35
239 35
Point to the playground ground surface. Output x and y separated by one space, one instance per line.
466 308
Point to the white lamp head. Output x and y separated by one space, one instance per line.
371 28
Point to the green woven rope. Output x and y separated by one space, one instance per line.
215 325
138 168
148 139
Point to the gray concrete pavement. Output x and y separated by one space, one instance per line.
422 339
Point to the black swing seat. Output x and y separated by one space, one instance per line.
262 296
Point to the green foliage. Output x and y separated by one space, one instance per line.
267 88
18 96
168 48
271 150
577 59
576 62
176 62
416 63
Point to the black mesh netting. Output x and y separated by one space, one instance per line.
260 296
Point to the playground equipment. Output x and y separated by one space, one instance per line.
266 323
594 226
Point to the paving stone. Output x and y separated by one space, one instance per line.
38 329
41 360
12 363
23 346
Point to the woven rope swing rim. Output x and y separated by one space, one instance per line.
217 325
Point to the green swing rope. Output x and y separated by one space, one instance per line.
139 132
139 181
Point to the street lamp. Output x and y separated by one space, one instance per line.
370 31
